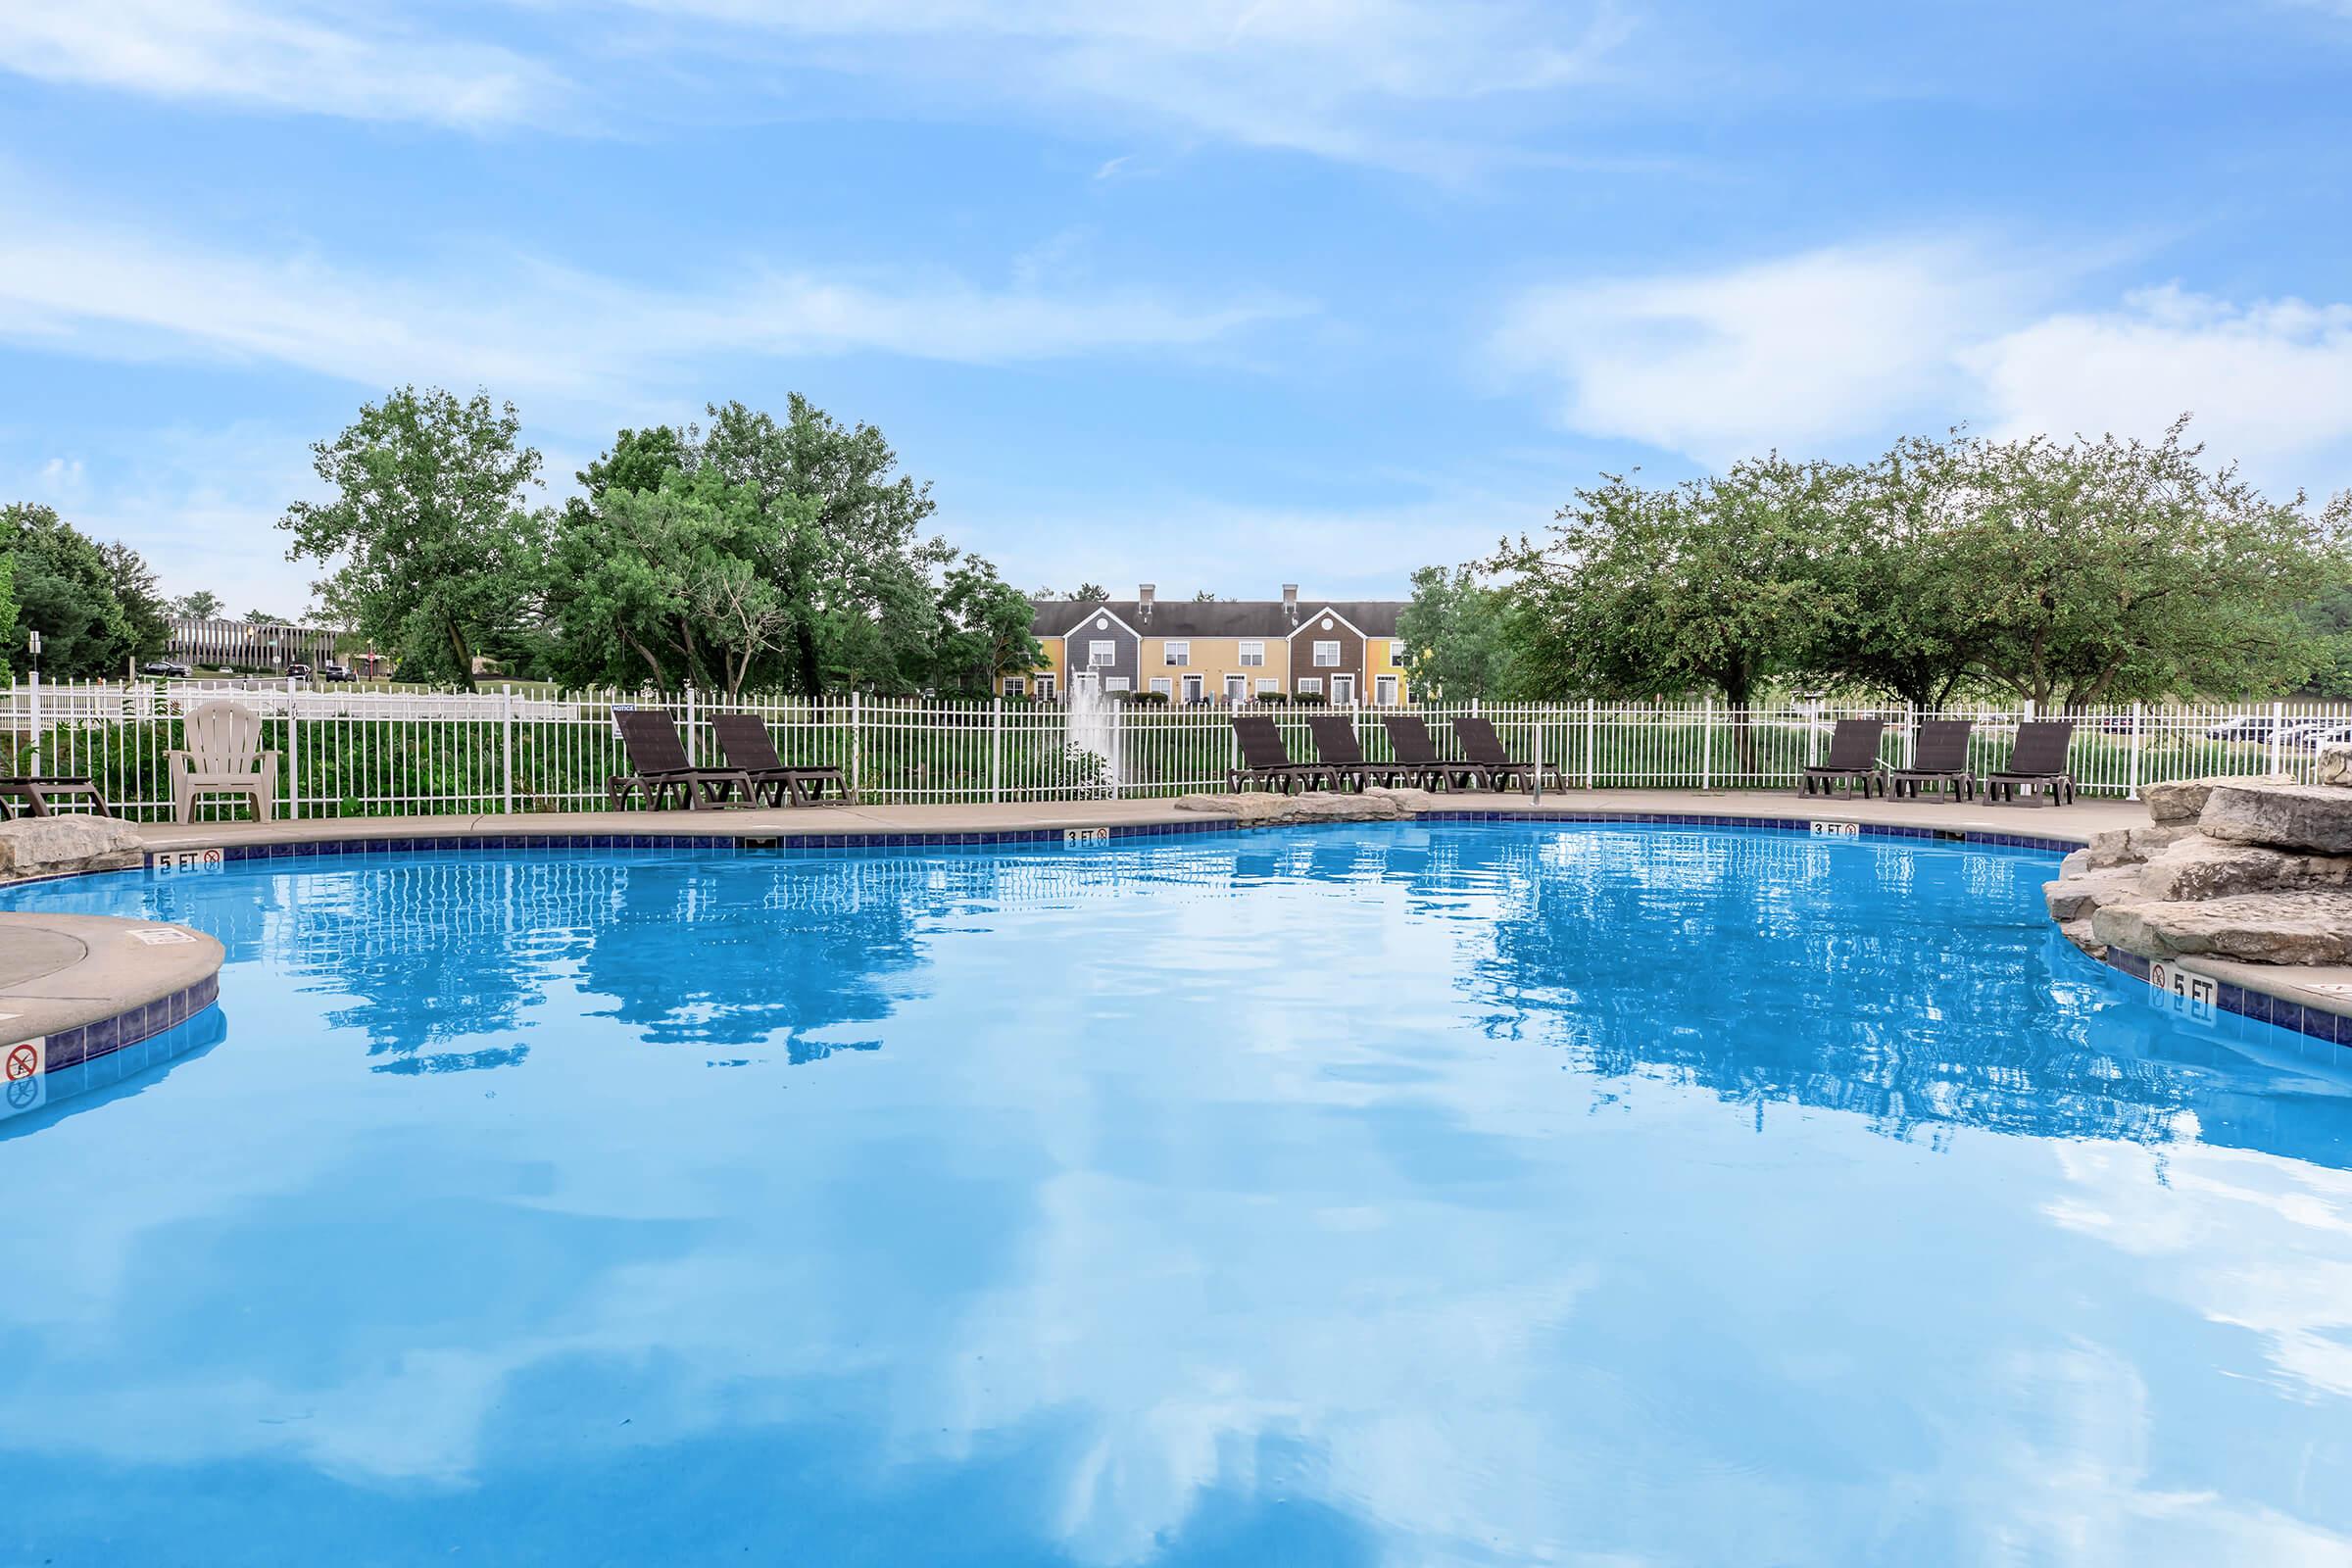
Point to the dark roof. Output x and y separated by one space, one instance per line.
1222 618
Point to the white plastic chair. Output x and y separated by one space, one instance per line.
225 757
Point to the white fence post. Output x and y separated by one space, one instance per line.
856 751
2131 791
2278 739
1910 734
293 752
1706 743
1591 732
505 752
32 719
996 751
690 747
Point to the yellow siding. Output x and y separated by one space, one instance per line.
1380 659
1052 666
1213 658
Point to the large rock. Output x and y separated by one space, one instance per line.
2184 799
2287 816
1264 807
2126 845
45 846
2074 898
2335 765
2256 927
2199 867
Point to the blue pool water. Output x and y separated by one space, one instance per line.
1401 1195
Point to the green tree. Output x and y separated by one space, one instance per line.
202 604
983 630
1091 593
8 616
2112 570
441 557
1453 637
146 616
1716 582
64 590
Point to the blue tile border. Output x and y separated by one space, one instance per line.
110 1039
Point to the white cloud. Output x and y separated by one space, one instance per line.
1390 82
1843 347
2267 381
1802 350
530 327
310 59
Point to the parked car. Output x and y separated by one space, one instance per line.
166 667
2241 729
299 671
333 672
2311 737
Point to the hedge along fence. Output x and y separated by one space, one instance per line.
384 753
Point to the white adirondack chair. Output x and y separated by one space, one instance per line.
225 757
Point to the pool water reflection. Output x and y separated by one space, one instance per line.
1381 1195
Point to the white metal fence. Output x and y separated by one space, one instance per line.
349 753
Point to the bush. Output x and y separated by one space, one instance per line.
1274 699
1147 699
1309 700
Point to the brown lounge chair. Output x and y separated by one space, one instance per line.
1940 758
1266 761
658 765
1485 750
1337 745
745 741
37 792
1417 755
2038 759
1853 758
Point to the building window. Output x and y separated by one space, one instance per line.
1016 686
1327 655
1115 683
1044 688
1384 690
1102 653
1310 685
1160 684
1254 653
1267 683
1178 653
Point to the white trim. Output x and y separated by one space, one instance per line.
1163 685
1175 652
1102 653
1086 623
1243 655
1316 654
1338 696
1385 698
1311 623
1117 684
1311 685
1016 685
1268 683
1195 686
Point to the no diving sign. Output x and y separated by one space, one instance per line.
23 1086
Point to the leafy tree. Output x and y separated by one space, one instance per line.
2111 570
1091 593
2332 614
64 590
1715 582
1205 597
840 542
440 557
145 613
265 617
1453 636
8 616
984 629
199 606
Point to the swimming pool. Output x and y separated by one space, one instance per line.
1474 1194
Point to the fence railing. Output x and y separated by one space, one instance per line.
345 753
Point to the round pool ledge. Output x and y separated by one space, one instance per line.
77 987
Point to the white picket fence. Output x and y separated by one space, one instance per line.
352 753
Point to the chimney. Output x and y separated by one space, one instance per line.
1143 600
1290 603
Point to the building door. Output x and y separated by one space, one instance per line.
1384 690
1343 689
1044 688
1192 688
1237 689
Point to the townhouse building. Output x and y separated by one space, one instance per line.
1228 652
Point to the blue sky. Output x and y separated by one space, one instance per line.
1212 293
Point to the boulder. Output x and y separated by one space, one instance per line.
2335 765
2074 898
2312 818
45 846
1264 807
2255 927
2184 799
2199 867
2129 845
2079 933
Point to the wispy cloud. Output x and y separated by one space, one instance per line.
533 326
313 58
1840 347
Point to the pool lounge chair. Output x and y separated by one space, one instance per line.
1417 755
658 767
222 756
1853 758
1266 761
1484 747
37 791
1342 753
745 741
1941 757
2038 759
